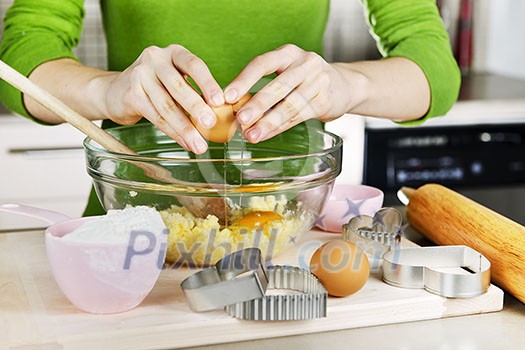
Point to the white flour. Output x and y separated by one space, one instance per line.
117 225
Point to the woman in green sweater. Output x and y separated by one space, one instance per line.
225 47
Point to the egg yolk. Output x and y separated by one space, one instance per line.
257 188
258 219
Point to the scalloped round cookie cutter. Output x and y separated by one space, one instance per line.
308 301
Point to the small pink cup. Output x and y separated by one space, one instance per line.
347 201
94 276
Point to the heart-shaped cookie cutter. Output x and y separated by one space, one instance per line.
448 271
235 278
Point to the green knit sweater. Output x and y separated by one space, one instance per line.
226 34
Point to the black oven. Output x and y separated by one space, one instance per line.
485 162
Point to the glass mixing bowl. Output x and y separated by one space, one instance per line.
236 195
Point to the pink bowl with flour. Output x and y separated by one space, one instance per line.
347 201
94 276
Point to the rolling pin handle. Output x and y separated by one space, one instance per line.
404 194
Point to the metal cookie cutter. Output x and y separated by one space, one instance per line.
221 285
375 235
308 301
429 268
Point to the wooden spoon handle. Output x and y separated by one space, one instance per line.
49 101
90 129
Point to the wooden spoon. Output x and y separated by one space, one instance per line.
110 143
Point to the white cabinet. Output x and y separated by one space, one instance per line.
41 166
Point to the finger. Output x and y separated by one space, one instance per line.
147 110
270 95
185 95
308 112
156 119
169 111
265 64
193 66
285 114
316 109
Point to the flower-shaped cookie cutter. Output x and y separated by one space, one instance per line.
375 235
235 278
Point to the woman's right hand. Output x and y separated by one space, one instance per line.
155 87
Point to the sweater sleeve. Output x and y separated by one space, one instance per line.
413 29
37 31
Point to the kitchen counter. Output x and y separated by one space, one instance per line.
485 331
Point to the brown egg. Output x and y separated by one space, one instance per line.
224 128
226 124
258 219
341 267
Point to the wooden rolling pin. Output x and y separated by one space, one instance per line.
448 218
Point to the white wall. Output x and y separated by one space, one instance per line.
499 37
347 37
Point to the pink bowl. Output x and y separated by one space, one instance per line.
93 276
347 201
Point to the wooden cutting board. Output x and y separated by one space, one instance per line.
34 313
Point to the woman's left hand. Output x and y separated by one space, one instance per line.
306 87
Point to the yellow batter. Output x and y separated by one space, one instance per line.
200 242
